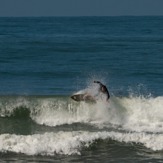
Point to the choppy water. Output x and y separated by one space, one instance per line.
45 60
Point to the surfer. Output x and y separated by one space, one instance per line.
103 89
88 97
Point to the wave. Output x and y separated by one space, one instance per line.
128 113
124 119
69 143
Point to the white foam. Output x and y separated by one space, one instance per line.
69 143
8 105
140 114
132 114
68 113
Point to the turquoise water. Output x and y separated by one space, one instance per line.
43 61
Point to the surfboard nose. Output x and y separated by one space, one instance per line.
74 98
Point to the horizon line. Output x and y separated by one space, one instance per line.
82 16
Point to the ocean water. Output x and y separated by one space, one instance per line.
44 60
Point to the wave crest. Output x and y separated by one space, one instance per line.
130 113
69 143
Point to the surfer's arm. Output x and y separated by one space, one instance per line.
101 85
98 82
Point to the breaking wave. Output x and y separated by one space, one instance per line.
134 119
130 113
69 143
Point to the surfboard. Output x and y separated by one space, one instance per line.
83 97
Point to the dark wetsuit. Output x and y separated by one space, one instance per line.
103 89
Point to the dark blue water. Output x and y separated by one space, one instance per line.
44 60
51 55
